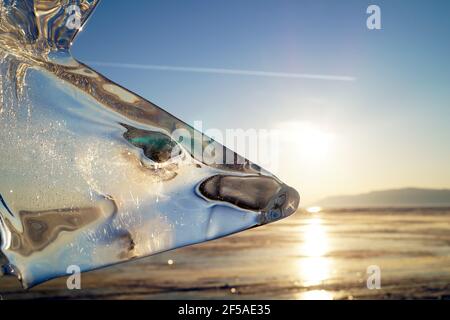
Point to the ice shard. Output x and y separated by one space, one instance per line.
91 174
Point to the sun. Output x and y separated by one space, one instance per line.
307 140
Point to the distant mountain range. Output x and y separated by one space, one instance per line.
408 197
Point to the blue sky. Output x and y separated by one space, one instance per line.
389 126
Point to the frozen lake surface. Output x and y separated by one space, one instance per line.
307 256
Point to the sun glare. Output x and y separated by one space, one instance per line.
308 140
314 209
314 267
315 295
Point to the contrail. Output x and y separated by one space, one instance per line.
224 71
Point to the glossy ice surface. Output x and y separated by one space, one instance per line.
92 174
322 255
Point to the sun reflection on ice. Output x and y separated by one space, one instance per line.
314 267
314 209
315 295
